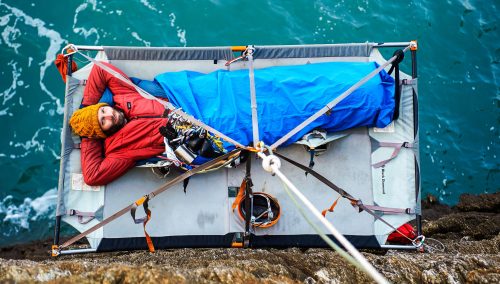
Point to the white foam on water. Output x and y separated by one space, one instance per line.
145 42
181 33
19 216
54 37
81 30
149 6
34 144
10 34
10 92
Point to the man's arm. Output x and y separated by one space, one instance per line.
97 82
99 170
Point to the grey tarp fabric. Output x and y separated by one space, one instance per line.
168 53
225 53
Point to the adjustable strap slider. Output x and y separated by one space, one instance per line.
409 81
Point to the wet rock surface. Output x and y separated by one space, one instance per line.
463 246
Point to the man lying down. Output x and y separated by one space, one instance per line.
119 127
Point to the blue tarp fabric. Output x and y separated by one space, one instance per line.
286 96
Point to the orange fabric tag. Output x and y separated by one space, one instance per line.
331 207
61 63
241 194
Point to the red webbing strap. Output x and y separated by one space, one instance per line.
331 207
150 196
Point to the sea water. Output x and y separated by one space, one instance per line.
458 68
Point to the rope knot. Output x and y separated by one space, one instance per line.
271 163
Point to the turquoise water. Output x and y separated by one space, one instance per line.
458 57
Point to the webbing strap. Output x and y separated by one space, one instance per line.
81 214
397 148
253 99
166 104
355 202
409 81
151 195
144 201
321 178
369 211
389 210
334 102
248 200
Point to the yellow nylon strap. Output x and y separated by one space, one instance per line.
238 48
140 201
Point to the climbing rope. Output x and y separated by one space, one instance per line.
272 164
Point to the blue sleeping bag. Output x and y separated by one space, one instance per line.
286 96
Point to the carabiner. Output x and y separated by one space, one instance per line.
70 48
418 241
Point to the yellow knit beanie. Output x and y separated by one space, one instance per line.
85 122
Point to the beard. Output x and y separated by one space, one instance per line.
118 123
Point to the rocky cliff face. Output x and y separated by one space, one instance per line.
463 246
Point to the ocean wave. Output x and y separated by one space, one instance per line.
11 35
17 217
81 30
10 92
37 143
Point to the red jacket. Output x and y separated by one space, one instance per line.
139 139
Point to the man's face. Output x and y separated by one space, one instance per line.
110 119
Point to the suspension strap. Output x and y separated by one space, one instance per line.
417 242
400 55
321 178
333 103
248 201
144 202
253 100
148 96
81 214
389 210
397 148
151 195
